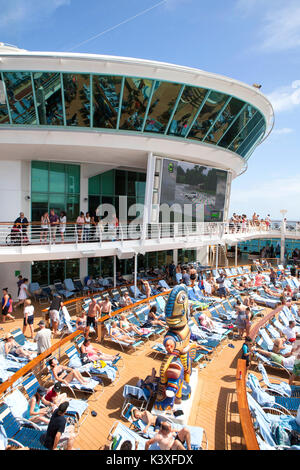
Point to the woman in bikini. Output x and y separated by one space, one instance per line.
94 354
118 334
65 374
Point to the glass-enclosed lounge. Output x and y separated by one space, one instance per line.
130 104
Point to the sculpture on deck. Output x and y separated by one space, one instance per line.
176 367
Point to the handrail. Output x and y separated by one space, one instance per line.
30 365
241 373
244 412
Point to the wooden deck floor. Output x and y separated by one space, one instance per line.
214 408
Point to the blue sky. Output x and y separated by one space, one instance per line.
255 41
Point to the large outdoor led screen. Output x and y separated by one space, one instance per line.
193 186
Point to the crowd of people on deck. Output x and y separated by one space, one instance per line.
53 227
49 406
242 223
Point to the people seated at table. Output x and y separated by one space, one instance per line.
120 279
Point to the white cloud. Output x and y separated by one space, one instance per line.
286 98
24 13
283 131
279 23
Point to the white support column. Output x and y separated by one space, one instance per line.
83 267
236 255
217 256
175 257
282 235
148 191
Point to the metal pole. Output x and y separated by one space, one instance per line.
115 269
135 272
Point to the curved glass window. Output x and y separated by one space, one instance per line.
161 107
136 94
210 111
48 98
190 101
20 97
224 120
4 116
77 96
106 100
136 104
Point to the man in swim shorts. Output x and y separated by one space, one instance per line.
169 439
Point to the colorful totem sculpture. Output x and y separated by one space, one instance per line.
176 367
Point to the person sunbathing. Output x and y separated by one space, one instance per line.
94 354
271 293
148 418
117 333
170 439
65 374
154 319
128 327
287 360
12 347
206 322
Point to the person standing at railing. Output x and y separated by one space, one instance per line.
23 221
62 225
45 222
54 221
268 222
87 227
80 224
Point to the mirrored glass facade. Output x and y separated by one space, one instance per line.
131 104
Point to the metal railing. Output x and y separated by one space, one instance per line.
36 234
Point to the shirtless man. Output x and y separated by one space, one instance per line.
169 439
148 418
106 307
193 275
93 311
147 288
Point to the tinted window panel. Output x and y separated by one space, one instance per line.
48 97
224 120
208 114
161 107
190 101
77 99
134 104
106 98
20 97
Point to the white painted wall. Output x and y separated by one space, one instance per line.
14 187
8 279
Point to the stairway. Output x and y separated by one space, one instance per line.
222 255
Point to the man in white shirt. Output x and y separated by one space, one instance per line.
290 332
43 338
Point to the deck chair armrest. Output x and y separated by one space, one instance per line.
27 421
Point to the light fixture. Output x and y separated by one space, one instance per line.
27 198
